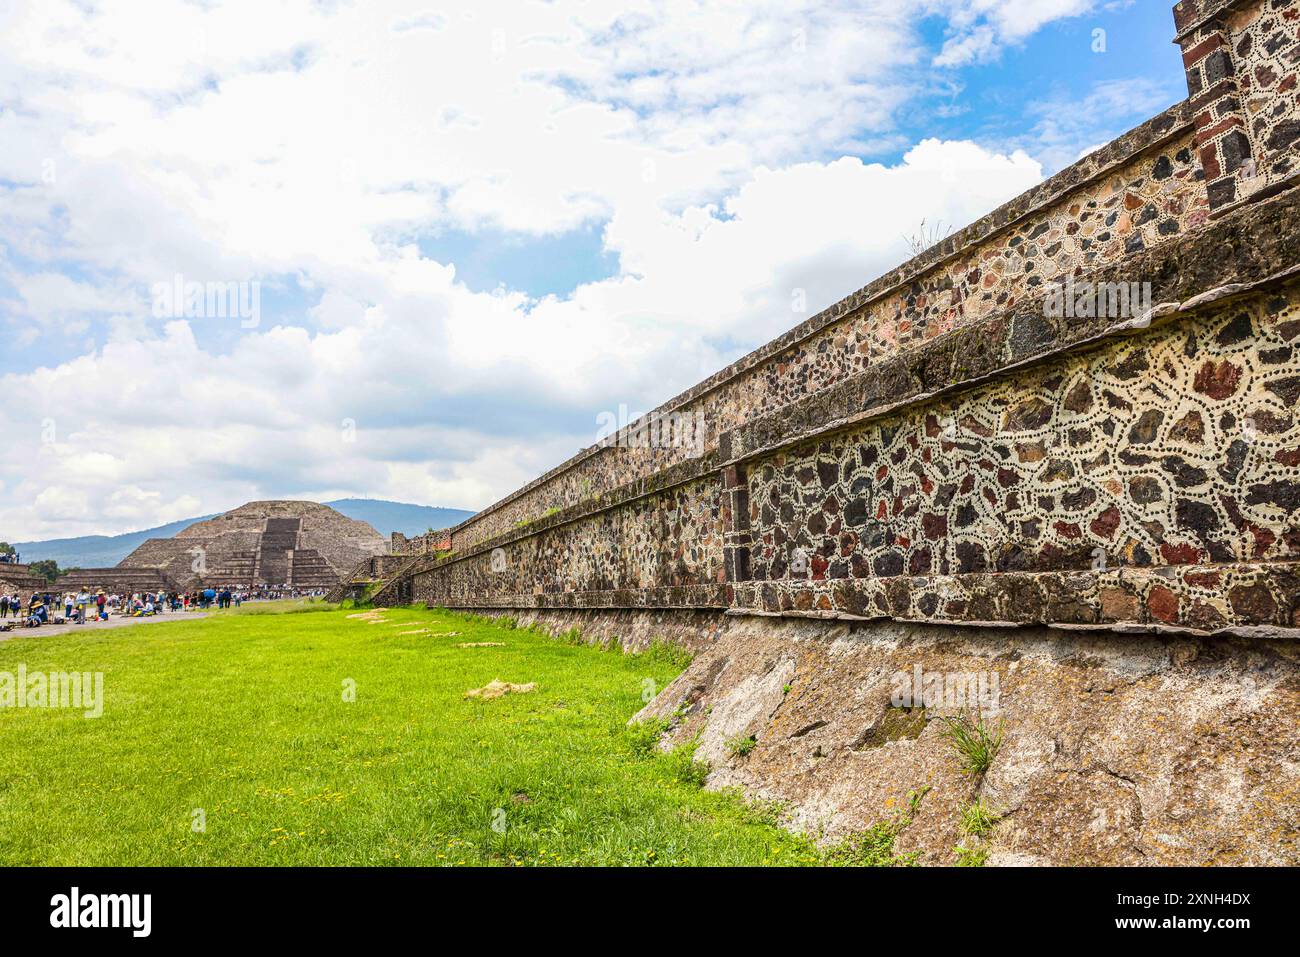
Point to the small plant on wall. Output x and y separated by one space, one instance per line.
976 742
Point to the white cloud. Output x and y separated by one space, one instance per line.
981 28
316 150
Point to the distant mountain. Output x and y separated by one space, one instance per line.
398 516
102 551
97 551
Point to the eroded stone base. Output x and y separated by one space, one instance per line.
1117 749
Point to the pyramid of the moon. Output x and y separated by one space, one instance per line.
296 544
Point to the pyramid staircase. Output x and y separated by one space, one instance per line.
373 576
279 539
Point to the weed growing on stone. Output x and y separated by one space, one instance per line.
665 652
686 768
971 856
874 847
742 744
975 741
643 736
978 819
762 811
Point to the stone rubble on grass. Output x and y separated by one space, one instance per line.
496 688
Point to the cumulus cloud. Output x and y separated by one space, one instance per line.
720 146
981 28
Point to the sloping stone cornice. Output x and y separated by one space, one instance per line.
1255 246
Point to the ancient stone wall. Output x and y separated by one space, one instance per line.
1137 192
669 542
19 579
434 540
1077 411
1177 448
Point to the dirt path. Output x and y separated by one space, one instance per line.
114 621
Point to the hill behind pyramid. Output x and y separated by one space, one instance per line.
301 544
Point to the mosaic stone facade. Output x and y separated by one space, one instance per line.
665 541
1151 198
1265 42
942 446
1176 447
1241 60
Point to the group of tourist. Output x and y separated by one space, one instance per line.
79 607
13 605
224 598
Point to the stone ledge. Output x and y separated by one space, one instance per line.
1257 599
1199 599
682 597
657 483
1257 246
1192 15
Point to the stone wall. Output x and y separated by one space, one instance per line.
669 542
1241 60
1176 448
19 579
956 443
434 540
1059 452
952 444
1137 192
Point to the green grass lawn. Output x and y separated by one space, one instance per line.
242 716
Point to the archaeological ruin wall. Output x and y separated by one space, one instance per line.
975 437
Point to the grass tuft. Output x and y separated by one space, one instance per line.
742 744
976 742
971 856
978 819
686 768
665 652
874 847
643 736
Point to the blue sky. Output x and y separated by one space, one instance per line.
474 233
